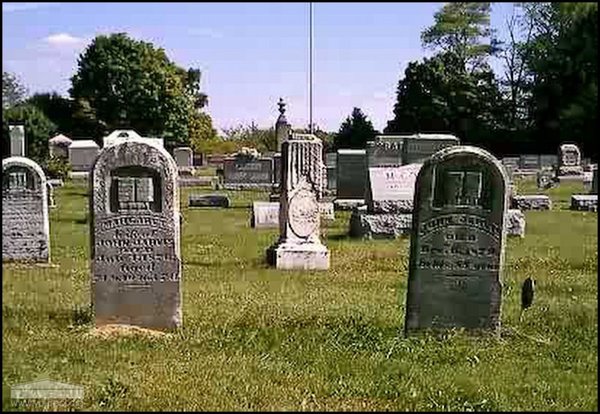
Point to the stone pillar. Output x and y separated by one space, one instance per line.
282 128
299 245
17 140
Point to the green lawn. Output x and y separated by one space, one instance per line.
255 338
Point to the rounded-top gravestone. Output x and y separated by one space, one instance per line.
135 236
457 242
25 225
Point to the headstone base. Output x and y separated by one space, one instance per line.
531 202
584 202
307 256
515 223
366 225
347 204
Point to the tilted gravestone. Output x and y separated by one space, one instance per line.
299 245
457 242
25 225
135 243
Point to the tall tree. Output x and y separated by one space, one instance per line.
13 92
122 78
462 29
355 131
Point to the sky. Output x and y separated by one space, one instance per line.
250 54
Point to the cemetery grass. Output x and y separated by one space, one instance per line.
255 338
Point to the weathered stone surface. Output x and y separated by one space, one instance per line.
531 202
135 243
418 147
380 225
25 225
247 172
209 200
385 151
17 140
457 242
515 223
197 181
299 245
569 160
351 174
340 204
391 189
585 202
82 155
184 157
266 214
123 135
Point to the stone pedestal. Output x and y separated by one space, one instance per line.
299 245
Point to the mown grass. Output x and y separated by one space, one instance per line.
255 338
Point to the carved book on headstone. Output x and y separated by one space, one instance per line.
135 243
25 225
299 245
457 242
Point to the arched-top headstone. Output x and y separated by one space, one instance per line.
135 228
569 160
457 242
25 225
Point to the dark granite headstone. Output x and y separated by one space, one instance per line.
457 242
209 200
248 170
351 174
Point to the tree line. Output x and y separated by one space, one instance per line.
545 95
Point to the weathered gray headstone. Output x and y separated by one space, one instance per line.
457 242
391 189
569 162
375 226
25 225
247 172
265 214
135 243
351 174
594 189
331 165
299 245
17 140
184 157
82 155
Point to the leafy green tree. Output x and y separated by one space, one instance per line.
462 29
355 131
13 92
38 130
562 61
202 134
122 78
59 110
263 139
